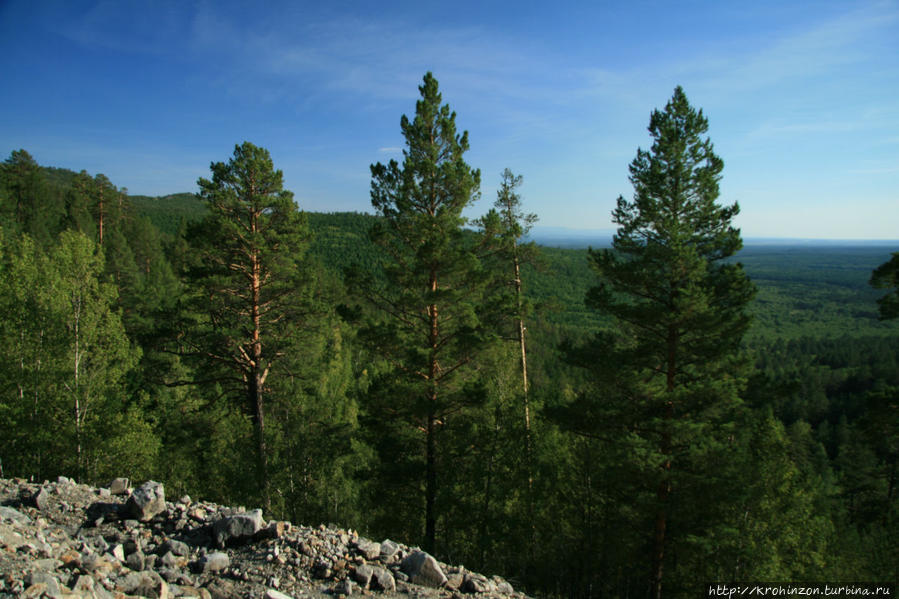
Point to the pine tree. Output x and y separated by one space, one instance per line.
432 313
27 203
669 368
507 224
886 276
250 286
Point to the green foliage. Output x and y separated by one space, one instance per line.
168 213
65 365
342 240
28 204
431 311
798 483
506 224
886 276
250 290
668 373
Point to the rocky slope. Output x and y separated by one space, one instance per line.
63 539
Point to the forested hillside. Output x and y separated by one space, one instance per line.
367 370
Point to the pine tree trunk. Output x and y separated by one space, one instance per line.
431 441
255 393
256 382
76 390
524 375
528 451
664 490
430 484
488 490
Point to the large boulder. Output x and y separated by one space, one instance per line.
237 529
388 550
147 501
423 569
362 575
17 517
368 549
382 580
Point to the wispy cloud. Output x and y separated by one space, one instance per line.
886 170
770 130
806 52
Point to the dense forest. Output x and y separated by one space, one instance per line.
635 420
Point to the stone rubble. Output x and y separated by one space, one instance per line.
63 540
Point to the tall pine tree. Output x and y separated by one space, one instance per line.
250 286
431 309
669 369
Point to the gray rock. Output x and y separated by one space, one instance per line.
368 549
136 561
454 581
475 583
423 569
118 552
382 580
168 560
48 565
222 589
146 501
189 590
119 486
84 584
344 587
144 584
34 591
8 513
41 499
129 583
9 538
505 588
50 581
237 529
274 530
362 575
131 545
273 594
170 575
153 586
388 550
175 547
214 562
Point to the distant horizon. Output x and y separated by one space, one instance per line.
575 237
586 233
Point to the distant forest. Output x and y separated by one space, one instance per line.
571 419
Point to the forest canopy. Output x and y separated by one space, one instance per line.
567 418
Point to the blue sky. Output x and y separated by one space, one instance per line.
802 97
